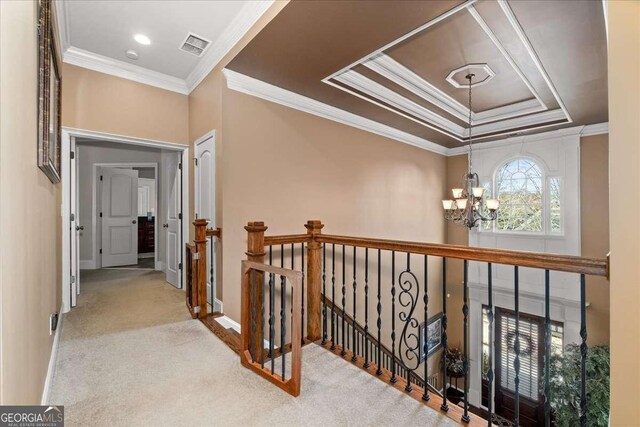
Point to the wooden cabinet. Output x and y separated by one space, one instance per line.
146 235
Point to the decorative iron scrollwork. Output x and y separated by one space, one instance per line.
409 346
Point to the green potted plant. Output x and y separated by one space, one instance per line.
565 382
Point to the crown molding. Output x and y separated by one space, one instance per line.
103 64
238 27
254 87
585 130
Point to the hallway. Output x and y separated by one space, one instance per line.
131 355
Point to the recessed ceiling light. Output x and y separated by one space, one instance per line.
132 54
142 39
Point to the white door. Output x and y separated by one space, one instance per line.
205 202
119 217
75 229
172 226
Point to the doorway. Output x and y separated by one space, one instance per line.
125 238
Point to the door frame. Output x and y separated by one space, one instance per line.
71 134
94 207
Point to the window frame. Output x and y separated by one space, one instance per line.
546 178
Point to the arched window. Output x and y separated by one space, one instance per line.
520 187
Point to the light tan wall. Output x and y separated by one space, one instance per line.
104 103
624 205
594 224
30 263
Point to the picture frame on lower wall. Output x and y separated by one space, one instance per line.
432 331
49 95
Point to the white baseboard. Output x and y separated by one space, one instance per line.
147 255
217 306
87 264
52 361
228 322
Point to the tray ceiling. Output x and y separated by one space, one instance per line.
539 65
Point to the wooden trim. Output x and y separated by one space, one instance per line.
292 385
287 239
314 280
191 278
200 265
217 232
567 263
455 412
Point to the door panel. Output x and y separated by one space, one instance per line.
119 217
205 203
173 222
74 229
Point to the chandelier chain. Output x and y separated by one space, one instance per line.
470 77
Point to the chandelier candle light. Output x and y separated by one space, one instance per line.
466 207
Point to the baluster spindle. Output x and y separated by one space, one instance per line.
366 308
302 294
516 348
344 302
324 293
490 368
283 322
405 369
583 351
252 286
379 321
262 292
444 405
293 267
393 317
272 318
211 273
547 351
465 363
333 296
355 348
425 348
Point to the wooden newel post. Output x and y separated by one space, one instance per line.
255 252
314 281
200 291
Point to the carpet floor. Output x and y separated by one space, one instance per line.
130 355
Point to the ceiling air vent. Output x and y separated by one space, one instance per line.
195 45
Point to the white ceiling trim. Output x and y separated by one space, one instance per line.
250 86
247 17
114 67
242 23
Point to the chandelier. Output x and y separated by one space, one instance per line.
467 207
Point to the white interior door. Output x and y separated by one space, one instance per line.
75 228
206 203
146 196
172 226
119 217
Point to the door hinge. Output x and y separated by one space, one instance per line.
100 250
179 216
100 177
73 155
100 214
73 279
196 215
72 217
180 166
196 160
196 255
180 266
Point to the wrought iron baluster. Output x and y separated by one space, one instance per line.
409 345
366 308
444 405
355 348
379 321
302 295
490 368
425 346
333 296
264 283
465 312
344 302
583 351
272 318
324 293
547 351
293 267
252 278
211 271
393 317
283 322
516 348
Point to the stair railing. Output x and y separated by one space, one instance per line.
196 269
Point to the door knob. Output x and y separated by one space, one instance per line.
134 221
79 227
165 225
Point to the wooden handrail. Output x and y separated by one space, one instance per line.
287 239
566 263
215 232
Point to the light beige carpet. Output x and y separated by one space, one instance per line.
130 355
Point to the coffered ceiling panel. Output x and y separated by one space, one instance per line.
538 65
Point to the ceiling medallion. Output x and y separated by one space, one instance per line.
467 206
482 72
